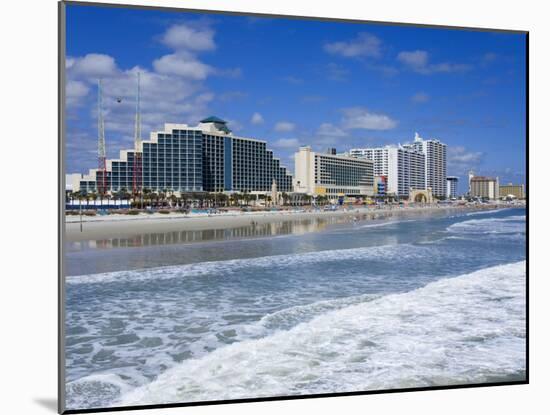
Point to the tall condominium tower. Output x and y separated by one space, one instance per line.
404 167
435 153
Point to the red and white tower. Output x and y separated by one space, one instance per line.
137 176
101 175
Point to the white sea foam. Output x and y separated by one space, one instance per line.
484 212
465 329
381 224
508 225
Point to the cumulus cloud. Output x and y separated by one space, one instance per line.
74 91
420 98
364 44
257 118
92 65
186 37
460 160
284 126
292 143
182 64
419 61
328 129
362 118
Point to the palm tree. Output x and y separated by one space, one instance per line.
173 200
285 198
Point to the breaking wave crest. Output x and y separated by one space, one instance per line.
466 329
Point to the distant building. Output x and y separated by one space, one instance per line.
207 157
332 175
403 167
435 153
452 187
516 190
483 186
380 185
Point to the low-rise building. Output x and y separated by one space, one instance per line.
332 175
515 190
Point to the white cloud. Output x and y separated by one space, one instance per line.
284 126
328 129
182 64
257 118
362 118
69 62
364 44
460 160
186 37
234 125
230 73
460 156
287 143
93 65
336 72
74 91
414 59
420 98
419 61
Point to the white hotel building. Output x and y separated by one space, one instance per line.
436 164
332 175
404 167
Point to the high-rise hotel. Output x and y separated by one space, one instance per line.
403 166
418 165
181 158
435 153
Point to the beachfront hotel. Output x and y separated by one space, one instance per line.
332 175
181 158
483 186
452 187
402 166
435 153
515 190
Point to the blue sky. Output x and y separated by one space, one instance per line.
296 82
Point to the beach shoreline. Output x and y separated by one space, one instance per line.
114 226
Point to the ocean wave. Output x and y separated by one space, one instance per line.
227 267
508 225
383 224
485 212
466 329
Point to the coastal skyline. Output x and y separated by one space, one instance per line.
355 85
260 207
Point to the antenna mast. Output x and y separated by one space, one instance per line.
137 177
102 182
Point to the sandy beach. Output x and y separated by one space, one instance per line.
115 226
